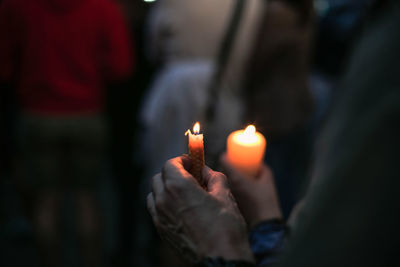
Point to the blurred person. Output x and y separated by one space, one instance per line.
59 55
184 38
276 92
349 216
276 83
178 30
339 24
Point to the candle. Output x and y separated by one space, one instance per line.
245 150
196 152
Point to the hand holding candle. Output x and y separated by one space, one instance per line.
196 152
245 150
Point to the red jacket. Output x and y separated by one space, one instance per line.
60 53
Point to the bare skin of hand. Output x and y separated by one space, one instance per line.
257 197
197 222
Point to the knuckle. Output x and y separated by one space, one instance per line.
221 177
159 203
164 169
174 185
154 178
167 167
149 198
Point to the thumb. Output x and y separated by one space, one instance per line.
216 181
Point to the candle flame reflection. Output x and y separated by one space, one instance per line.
196 128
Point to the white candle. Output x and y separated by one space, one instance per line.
245 150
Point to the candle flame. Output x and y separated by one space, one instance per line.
250 131
248 136
196 128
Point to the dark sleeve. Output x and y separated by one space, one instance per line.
266 241
351 213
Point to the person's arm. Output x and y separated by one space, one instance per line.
257 199
351 211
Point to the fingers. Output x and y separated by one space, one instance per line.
157 185
266 172
215 181
151 207
235 176
186 162
225 164
177 179
177 168
217 186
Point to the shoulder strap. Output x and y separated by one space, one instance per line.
222 58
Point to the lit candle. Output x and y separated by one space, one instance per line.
245 150
196 152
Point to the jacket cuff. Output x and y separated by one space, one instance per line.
266 241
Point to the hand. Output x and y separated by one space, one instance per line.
198 223
256 196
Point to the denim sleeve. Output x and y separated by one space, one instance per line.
266 241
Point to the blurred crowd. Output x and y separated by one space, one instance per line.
96 96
